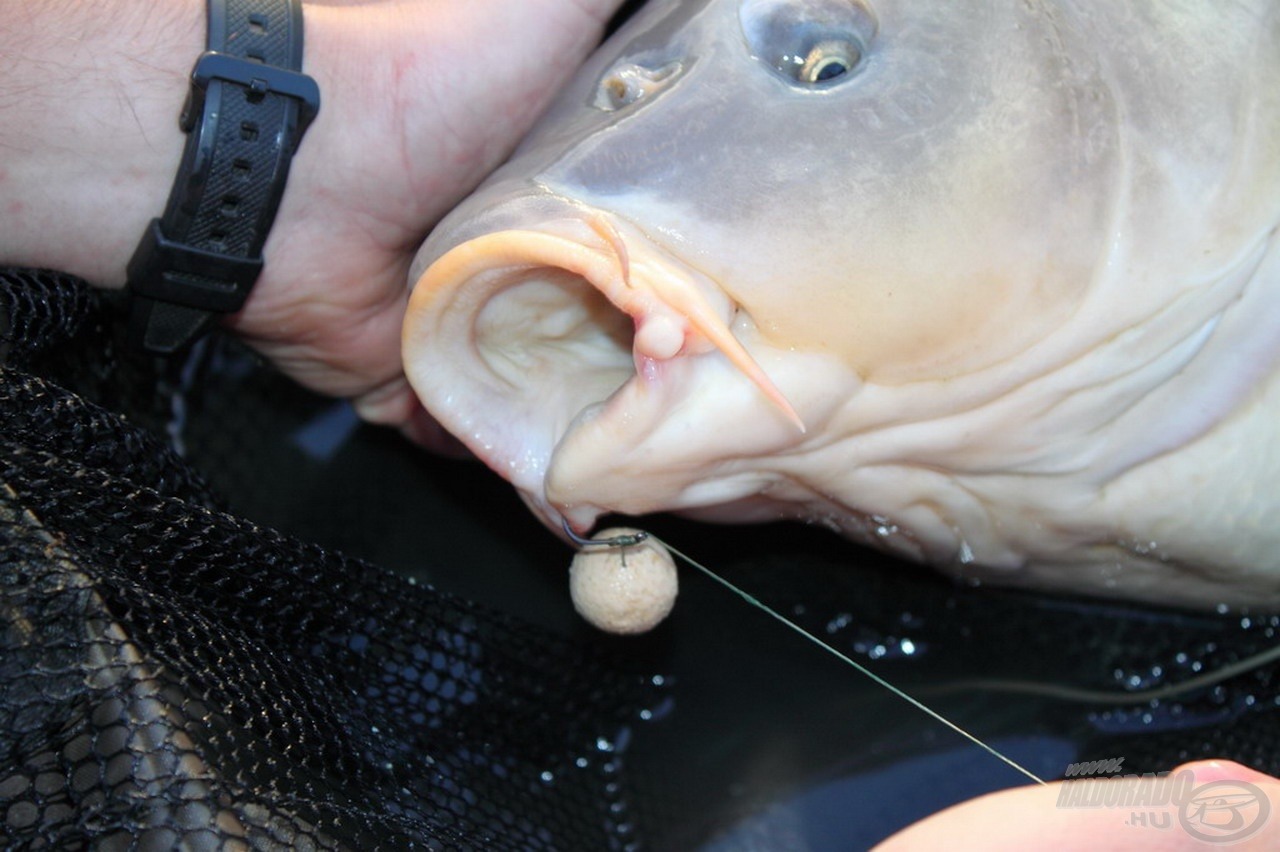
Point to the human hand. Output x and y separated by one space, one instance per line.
420 99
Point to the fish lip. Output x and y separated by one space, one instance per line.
445 310
479 215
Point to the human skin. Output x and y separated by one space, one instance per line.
419 101
1029 817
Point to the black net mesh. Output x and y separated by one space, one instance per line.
173 675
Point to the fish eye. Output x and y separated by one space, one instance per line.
809 43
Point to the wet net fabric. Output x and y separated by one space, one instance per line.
173 675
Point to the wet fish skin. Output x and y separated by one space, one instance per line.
1016 274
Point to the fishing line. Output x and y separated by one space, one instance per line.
1103 696
854 663
1061 692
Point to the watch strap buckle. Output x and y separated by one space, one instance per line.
258 78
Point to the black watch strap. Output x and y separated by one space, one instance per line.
246 112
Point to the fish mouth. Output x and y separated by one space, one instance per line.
578 359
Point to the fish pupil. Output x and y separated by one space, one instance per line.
827 61
831 70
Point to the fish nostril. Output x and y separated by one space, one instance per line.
627 83
617 93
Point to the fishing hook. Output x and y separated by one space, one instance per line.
629 540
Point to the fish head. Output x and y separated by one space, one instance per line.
750 229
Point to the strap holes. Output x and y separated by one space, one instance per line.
258 24
230 206
241 169
218 241
249 131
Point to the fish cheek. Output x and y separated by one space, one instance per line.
901 320
940 330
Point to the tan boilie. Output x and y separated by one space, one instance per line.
624 590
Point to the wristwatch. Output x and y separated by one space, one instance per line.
247 110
